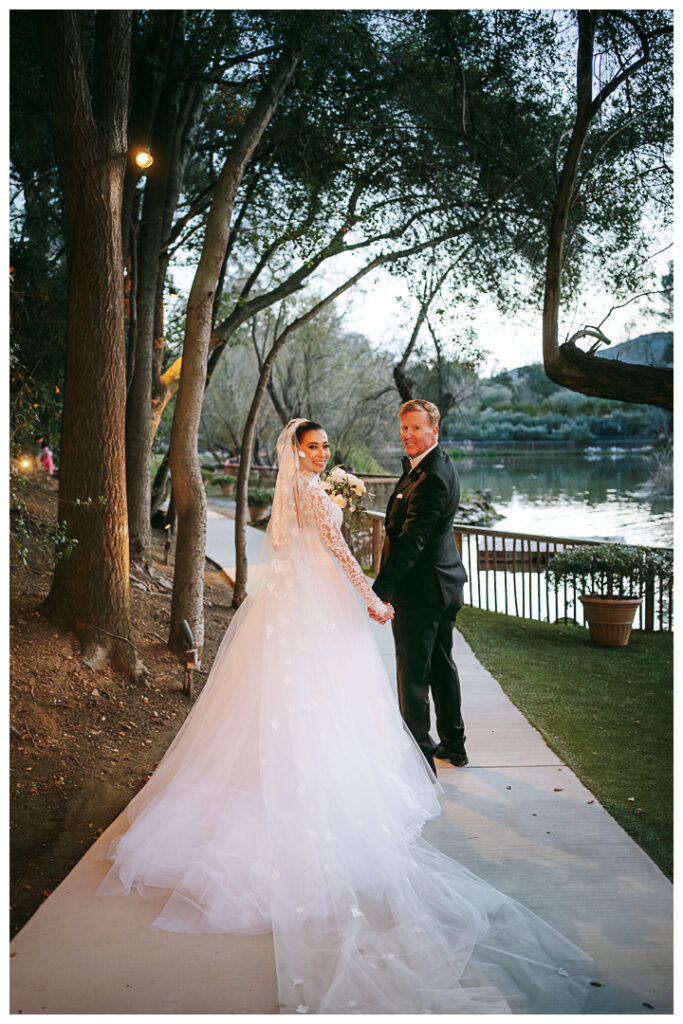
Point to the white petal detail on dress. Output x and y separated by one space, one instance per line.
366 916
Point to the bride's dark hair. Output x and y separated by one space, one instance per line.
304 428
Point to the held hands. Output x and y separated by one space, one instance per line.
387 614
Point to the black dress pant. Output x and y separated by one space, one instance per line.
424 662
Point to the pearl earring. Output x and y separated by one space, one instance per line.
302 455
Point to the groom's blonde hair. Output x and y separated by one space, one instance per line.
421 405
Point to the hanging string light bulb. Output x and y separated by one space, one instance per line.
142 158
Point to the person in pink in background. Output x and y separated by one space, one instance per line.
46 460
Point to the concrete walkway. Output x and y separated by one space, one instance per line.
220 539
517 816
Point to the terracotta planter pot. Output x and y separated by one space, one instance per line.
257 513
227 489
610 619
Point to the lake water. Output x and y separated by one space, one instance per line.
597 492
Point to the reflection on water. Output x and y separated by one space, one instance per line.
597 493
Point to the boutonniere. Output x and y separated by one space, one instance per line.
398 496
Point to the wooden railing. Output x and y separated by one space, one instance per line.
507 574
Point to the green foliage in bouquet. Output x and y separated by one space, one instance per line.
349 492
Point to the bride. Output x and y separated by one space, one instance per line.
292 799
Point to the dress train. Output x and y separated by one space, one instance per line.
292 800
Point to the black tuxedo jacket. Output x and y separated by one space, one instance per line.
420 564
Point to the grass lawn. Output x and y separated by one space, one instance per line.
607 712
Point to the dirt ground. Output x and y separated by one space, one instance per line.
83 742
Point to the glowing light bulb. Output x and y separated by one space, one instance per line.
143 159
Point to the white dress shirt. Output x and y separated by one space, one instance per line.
418 458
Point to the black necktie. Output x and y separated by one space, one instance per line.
405 462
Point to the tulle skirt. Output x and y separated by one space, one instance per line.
292 801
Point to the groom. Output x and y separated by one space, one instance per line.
422 576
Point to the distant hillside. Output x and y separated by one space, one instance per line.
655 349
523 405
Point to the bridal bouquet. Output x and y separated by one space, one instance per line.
347 491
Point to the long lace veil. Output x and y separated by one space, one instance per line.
286 514
287 543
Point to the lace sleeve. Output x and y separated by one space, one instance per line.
326 523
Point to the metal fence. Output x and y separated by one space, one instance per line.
507 574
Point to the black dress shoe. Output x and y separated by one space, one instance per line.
459 759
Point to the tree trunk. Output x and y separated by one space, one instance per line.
179 148
130 292
188 487
150 239
90 588
165 385
171 521
166 390
160 485
446 399
566 364
270 384
159 336
404 383
138 407
148 77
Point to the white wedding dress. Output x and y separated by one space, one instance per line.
292 801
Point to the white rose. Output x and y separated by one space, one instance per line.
338 475
353 480
360 489
326 485
340 500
